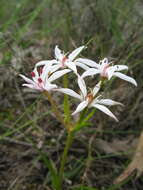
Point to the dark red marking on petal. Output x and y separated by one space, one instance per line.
40 80
32 74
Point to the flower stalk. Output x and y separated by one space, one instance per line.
55 108
68 143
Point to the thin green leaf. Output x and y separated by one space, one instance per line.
82 115
81 126
76 168
33 16
89 115
52 168
83 121
15 14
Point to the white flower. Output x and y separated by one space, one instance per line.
87 62
107 71
90 99
63 60
41 81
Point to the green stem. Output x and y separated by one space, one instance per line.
64 155
55 108
82 115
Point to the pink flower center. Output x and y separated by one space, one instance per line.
40 80
32 74
64 60
104 71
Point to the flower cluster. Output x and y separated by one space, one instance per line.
47 71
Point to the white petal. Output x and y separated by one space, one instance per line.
108 102
49 70
80 107
96 88
104 62
27 79
110 71
75 53
82 86
46 62
125 77
120 67
85 67
35 87
72 66
45 72
69 92
28 85
58 53
105 110
58 74
90 72
55 68
49 86
88 62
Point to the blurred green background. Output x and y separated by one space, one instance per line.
29 31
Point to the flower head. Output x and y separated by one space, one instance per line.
64 60
90 99
106 70
41 80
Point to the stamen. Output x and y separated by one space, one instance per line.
90 97
49 73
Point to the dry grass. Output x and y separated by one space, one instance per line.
29 32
